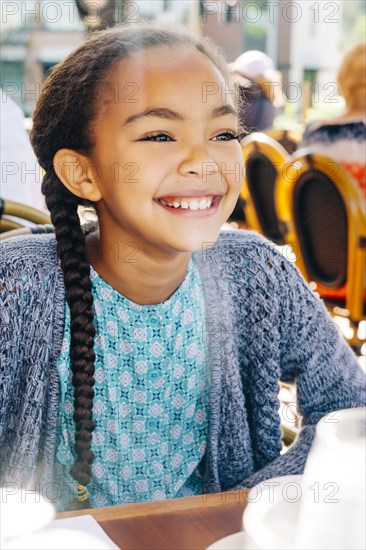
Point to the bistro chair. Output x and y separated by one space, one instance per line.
35 230
14 214
15 218
289 139
264 160
323 218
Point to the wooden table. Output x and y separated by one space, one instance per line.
191 523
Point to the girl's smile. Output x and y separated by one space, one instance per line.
192 204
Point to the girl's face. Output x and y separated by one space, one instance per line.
167 163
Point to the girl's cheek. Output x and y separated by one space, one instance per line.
233 171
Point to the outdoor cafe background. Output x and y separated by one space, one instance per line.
305 40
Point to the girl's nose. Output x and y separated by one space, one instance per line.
198 161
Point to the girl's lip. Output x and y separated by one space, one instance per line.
196 193
187 212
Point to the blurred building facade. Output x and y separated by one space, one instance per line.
36 34
302 38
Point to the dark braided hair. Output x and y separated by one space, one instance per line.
63 118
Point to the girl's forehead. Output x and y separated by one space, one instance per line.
161 59
167 58
164 71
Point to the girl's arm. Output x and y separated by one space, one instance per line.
315 355
290 463
30 332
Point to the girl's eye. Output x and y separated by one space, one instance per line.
159 136
227 136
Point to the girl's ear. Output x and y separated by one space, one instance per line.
77 174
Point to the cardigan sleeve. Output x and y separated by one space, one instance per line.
327 373
27 314
15 296
315 355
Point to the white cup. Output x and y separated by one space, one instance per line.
332 515
271 512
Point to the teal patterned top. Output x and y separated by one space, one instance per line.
151 397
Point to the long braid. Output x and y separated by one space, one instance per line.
76 269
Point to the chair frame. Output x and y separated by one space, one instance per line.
23 211
7 224
347 187
277 156
34 230
279 134
12 213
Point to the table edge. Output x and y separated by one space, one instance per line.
111 513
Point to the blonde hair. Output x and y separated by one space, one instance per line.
352 77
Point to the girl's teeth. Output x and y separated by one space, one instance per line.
201 204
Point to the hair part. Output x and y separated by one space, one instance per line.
63 118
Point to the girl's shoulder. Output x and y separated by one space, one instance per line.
31 285
32 253
245 255
234 245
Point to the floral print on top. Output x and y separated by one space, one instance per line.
151 397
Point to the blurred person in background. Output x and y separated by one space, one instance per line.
259 86
259 96
344 138
20 175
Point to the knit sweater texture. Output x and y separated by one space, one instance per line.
263 324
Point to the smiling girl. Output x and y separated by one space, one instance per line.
141 355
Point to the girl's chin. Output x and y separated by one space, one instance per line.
195 243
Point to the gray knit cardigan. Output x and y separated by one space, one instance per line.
263 324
